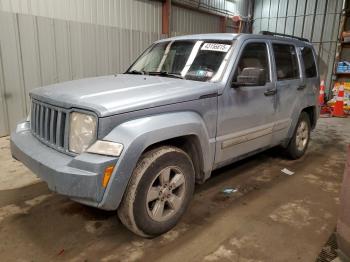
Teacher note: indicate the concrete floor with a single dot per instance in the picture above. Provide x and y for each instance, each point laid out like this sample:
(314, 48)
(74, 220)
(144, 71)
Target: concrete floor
(272, 217)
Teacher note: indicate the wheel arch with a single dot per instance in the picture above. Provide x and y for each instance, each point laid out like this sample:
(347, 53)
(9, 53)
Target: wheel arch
(312, 113)
(186, 130)
(192, 146)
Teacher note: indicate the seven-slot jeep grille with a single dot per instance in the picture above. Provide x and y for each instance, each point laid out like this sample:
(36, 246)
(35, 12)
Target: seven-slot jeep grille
(50, 124)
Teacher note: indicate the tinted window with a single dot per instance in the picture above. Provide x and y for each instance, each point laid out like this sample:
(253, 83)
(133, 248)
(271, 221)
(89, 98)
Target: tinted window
(254, 55)
(286, 61)
(309, 62)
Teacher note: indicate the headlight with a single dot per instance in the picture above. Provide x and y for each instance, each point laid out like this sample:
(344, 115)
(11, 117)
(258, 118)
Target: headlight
(106, 148)
(82, 132)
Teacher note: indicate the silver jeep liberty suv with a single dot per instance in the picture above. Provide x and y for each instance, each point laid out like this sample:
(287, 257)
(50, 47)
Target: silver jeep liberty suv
(138, 142)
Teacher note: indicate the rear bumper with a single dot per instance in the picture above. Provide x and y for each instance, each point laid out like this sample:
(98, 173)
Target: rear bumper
(79, 178)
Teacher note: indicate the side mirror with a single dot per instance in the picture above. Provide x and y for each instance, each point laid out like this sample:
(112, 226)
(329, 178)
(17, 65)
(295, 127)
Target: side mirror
(251, 76)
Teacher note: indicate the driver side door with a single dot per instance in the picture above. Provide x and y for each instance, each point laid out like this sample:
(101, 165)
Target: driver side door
(246, 113)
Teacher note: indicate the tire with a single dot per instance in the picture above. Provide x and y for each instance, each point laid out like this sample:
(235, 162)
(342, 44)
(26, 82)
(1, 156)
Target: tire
(141, 208)
(301, 137)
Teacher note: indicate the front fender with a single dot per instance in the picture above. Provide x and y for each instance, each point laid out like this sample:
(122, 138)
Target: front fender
(138, 134)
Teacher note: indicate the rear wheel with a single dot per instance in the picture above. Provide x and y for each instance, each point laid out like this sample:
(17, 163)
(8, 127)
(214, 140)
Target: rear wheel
(159, 191)
(301, 137)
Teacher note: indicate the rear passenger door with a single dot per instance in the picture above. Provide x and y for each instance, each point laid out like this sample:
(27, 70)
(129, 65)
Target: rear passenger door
(289, 84)
(310, 76)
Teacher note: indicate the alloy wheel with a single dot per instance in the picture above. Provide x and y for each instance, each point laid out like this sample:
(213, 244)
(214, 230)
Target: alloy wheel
(166, 194)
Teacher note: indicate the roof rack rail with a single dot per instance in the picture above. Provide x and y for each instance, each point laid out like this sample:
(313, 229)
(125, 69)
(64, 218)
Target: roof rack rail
(283, 35)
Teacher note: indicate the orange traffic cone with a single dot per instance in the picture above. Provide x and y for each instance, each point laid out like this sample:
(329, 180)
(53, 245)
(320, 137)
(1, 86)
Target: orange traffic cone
(321, 97)
(339, 104)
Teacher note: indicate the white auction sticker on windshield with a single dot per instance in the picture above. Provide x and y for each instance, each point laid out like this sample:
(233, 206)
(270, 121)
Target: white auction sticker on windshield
(216, 47)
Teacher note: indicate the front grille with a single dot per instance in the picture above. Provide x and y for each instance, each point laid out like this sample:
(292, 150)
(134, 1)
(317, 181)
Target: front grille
(49, 124)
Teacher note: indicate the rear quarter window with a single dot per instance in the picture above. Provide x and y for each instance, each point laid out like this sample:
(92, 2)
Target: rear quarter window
(309, 62)
(286, 60)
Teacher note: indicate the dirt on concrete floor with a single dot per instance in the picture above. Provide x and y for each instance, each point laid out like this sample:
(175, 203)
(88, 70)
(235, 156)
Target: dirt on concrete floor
(272, 216)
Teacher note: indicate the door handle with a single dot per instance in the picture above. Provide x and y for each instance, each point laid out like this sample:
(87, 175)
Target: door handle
(270, 92)
(301, 87)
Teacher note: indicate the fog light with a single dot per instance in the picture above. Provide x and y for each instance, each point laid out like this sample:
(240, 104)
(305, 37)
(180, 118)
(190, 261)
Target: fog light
(107, 175)
(106, 148)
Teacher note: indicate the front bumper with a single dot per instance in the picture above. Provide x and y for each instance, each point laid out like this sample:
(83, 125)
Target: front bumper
(79, 178)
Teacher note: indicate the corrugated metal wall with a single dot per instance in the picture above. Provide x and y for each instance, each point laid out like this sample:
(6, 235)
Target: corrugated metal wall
(142, 15)
(37, 51)
(317, 20)
(185, 21)
(48, 41)
(220, 7)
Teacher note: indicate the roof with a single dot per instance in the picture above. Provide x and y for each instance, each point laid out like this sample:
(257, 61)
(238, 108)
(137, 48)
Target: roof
(216, 36)
(229, 37)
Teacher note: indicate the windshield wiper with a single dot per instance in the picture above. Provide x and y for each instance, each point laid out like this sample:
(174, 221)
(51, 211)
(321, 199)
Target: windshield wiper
(136, 72)
(165, 73)
(155, 73)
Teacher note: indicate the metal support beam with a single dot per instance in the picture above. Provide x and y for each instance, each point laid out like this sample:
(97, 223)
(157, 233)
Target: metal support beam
(223, 24)
(166, 18)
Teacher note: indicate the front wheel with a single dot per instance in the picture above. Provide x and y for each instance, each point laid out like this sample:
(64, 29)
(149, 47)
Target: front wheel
(301, 137)
(159, 191)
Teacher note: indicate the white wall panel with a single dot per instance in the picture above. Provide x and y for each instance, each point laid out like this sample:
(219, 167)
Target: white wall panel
(185, 21)
(29, 48)
(218, 7)
(12, 69)
(281, 16)
(62, 46)
(4, 128)
(47, 51)
(132, 14)
(36, 51)
(76, 59)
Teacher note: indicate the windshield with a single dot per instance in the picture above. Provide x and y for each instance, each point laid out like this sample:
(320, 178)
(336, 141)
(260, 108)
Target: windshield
(194, 60)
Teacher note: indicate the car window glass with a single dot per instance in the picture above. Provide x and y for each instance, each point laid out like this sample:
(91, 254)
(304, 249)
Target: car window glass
(286, 61)
(207, 61)
(197, 60)
(254, 55)
(309, 62)
(177, 56)
(152, 60)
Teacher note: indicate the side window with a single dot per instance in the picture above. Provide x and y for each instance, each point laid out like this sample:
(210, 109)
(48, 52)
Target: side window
(286, 61)
(254, 55)
(309, 62)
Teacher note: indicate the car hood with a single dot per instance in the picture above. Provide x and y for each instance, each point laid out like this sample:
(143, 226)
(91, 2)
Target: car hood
(114, 94)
